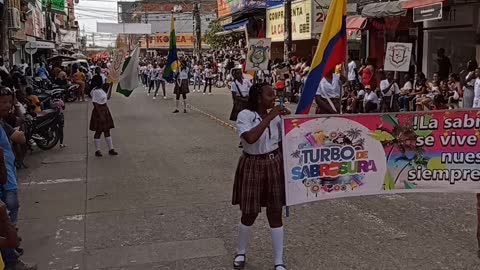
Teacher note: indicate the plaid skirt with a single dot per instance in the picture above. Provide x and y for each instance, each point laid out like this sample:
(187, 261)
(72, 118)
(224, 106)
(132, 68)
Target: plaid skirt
(259, 182)
(238, 106)
(101, 119)
(182, 89)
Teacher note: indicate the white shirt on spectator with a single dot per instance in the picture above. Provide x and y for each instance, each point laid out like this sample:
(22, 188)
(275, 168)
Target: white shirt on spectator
(361, 93)
(476, 99)
(270, 139)
(242, 89)
(330, 90)
(407, 86)
(393, 90)
(351, 71)
(371, 97)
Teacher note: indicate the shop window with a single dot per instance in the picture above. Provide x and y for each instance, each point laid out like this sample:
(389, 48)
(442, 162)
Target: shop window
(459, 45)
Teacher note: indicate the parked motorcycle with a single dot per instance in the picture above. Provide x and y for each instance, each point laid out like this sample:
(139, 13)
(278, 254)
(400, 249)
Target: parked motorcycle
(43, 128)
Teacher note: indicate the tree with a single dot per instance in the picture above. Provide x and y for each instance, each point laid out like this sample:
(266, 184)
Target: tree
(214, 41)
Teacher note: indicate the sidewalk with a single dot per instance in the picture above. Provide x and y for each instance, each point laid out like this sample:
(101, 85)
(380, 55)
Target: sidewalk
(53, 198)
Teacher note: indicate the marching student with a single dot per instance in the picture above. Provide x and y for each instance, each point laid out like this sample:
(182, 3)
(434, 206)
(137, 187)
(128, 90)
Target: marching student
(152, 78)
(181, 87)
(259, 179)
(101, 120)
(160, 81)
(240, 88)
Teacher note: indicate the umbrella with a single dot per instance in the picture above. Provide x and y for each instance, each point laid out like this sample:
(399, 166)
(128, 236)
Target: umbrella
(79, 56)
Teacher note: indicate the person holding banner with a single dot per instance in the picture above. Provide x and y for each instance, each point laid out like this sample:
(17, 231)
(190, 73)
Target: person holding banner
(328, 93)
(259, 178)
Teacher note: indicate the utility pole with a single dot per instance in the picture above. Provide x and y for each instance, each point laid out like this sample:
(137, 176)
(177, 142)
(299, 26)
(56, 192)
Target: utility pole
(4, 30)
(147, 37)
(198, 30)
(287, 48)
(48, 21)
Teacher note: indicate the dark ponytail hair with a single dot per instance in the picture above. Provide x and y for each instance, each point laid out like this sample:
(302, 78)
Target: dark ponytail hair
(254, 94)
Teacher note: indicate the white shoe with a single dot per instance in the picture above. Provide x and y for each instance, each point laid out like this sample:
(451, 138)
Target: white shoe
(165, 97)
(193, 91)
(210, 94)
(204, 94)
(154, 98)
(148, 94)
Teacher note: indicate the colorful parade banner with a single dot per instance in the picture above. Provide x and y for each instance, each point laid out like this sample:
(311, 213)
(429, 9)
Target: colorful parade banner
(330, 157)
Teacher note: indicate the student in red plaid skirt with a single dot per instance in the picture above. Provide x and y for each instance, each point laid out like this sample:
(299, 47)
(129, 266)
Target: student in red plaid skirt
(259, 179)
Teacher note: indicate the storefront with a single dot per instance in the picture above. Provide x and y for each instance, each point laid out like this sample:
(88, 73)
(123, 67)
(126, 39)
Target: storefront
(388, 22)
(308, 17)
(159, 43)
(457, 32)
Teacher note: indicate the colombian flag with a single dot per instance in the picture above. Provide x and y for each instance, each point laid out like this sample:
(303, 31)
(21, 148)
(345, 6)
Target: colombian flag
(331, 50)
(172, 58)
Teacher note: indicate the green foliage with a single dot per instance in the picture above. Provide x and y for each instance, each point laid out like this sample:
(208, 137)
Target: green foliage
(214, 41)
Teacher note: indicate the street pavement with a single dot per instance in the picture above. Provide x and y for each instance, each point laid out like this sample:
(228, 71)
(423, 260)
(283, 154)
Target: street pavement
(164, 203)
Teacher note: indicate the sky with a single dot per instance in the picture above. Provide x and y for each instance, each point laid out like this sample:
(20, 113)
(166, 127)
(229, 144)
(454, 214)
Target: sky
(89, 12)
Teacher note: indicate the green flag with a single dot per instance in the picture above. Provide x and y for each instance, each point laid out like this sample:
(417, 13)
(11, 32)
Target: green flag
(129, 78)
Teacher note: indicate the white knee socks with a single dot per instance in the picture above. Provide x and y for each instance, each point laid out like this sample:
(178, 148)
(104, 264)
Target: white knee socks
(98, 143)
(243, 235)
(109, 142)
(277, 242)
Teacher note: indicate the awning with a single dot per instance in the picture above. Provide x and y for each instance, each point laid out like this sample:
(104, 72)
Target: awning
(235, 25)
(223, 33)
(383, 10)
(418, 3)
(354, 25)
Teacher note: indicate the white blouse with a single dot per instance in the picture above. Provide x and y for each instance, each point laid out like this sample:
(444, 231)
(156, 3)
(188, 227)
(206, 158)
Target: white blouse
(330, 90)
(99, 96)
(270, 139)
(242, 89)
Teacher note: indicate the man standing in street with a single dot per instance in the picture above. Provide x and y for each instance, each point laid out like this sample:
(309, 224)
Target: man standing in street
(9, 194)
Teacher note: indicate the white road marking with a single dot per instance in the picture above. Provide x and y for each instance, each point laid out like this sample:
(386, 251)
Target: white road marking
(55, 181)
(371, 218)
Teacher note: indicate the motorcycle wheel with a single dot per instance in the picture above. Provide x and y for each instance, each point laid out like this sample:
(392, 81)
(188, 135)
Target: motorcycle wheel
(220, 84)
(70, 98)
(49, 141)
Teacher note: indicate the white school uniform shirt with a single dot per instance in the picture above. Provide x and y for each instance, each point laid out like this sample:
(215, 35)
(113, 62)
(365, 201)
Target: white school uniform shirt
(242, 89)
(393, 90)
(183, 74)
(372, 97)
(270, 139)
(330, 90)
(476, 99)
(99, 96)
